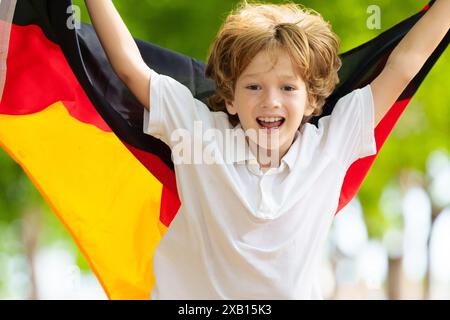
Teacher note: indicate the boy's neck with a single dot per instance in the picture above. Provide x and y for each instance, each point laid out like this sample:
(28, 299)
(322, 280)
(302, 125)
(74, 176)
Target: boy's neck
(266, 158)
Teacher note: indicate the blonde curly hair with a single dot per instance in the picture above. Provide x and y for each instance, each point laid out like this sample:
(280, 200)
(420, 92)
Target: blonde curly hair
(307, 38)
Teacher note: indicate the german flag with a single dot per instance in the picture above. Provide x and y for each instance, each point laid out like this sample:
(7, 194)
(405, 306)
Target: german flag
(76, 130)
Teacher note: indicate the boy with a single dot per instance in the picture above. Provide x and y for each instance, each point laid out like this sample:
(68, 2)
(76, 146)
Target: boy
(252, 223)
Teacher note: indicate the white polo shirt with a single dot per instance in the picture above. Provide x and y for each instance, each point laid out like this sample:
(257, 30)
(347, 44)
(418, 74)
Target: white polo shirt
(241, 233)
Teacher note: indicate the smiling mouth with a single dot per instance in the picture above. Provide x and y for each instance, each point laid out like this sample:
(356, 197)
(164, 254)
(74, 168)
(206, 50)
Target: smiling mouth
(270, 126)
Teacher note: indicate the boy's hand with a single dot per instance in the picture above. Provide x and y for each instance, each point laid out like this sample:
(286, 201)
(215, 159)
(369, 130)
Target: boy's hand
(409, 56)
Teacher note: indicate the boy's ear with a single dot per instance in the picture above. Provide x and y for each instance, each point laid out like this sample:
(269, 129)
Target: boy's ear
(309, 109)
(230, 107)
(310, 105)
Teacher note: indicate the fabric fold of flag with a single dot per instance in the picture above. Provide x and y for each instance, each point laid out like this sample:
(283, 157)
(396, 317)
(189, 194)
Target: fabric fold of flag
(76, 130)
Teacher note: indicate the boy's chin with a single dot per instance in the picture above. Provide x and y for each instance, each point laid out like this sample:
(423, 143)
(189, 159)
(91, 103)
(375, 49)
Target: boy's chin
(265, 146)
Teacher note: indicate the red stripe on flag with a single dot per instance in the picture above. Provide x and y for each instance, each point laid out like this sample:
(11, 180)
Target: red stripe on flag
(358, 170)
(170, 202)
(39, 75)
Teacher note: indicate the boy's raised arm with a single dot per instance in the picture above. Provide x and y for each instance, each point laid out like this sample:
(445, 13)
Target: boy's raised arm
(409, 56)
(120, 48)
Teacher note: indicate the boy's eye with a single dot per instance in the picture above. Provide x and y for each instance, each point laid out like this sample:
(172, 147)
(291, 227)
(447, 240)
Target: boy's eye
(253, 87)
(256, 87)
(289, 88)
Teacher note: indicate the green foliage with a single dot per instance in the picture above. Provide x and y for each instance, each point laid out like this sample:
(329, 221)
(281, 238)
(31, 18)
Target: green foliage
(12, 182)
(190, 26)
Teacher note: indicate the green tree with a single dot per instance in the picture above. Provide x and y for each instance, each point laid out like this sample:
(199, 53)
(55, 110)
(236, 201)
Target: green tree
(189, 27)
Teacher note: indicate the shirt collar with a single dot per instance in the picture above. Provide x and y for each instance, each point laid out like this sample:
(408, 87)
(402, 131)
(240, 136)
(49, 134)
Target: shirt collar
(244, 154)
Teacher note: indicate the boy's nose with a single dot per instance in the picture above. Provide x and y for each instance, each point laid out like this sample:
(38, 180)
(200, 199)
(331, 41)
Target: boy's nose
(271, 100)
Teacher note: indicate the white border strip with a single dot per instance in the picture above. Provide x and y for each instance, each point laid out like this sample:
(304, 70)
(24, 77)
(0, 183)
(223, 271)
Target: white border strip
(7, 8)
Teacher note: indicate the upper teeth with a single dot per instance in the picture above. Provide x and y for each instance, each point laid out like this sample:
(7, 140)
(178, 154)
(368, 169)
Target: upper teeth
(270, 119)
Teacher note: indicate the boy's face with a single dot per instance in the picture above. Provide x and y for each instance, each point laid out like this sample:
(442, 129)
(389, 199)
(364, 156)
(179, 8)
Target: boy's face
(265, 90)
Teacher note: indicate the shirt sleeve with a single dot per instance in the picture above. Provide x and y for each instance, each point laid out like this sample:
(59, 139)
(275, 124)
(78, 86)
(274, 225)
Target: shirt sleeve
(349, 130)
(172, 108)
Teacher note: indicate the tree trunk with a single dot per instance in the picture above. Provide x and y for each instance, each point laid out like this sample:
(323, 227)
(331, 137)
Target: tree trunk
(30, 234)
(394, 278)
(427, 281)
(435, 211)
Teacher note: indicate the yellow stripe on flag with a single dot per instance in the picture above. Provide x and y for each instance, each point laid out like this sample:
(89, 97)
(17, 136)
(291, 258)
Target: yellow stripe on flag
(107, 200)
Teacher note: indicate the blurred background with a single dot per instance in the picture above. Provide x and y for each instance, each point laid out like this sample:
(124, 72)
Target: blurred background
(391, 242)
